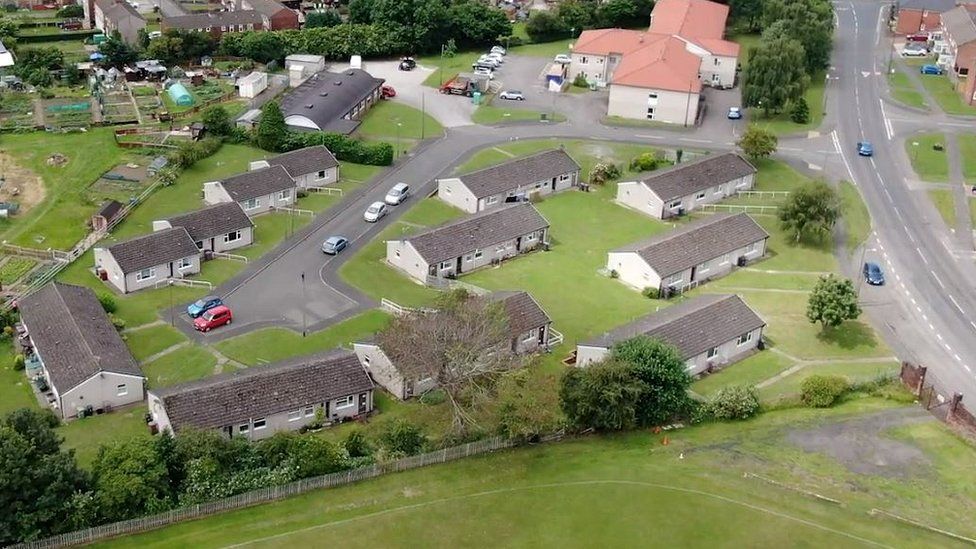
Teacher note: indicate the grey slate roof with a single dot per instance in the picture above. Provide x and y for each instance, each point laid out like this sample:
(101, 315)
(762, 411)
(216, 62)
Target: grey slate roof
(519, 172)
(304, 161)
(524, 313)
(266, 7)
(693, 326)
(257, 183)
(929, 5)
(115, 9)
(330, 101)
(697, 242)
(213, 19)
(261, 391)
(153, 249)
(959, 22)
(477, 231)
(216, 220)
(109, 209)
(691, 177)
(73, 335)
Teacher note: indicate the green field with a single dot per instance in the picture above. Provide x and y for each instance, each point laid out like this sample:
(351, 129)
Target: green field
(857, 219)
(382, 121)
(945, 94)
(488, 115)
(904, 91)
(928, 163)
(967, 150)
(946, 205)
(631, 490)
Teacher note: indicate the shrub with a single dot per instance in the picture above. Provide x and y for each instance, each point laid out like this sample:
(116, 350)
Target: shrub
(19, 362)
(536, 198)
(822, 391)
(736, 402)
(651, 293)
(614, 273)
(800, 113)
(603, 172)
(345, 148)
(117, 322)
(644, 162)
(580, 81)
(357, 446)
(403, 438)
(108, 303)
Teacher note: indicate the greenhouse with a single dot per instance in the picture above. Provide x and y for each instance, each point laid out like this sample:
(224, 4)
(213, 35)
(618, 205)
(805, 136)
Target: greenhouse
(179, 94)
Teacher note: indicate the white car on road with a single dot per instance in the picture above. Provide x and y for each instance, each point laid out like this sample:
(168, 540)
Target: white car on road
(914, 52)
(397, 194)
(512, 95)
(563, 59)
(375, 212)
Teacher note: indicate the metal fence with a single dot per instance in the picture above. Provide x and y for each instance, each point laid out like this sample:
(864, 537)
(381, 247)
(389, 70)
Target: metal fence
(265, 495)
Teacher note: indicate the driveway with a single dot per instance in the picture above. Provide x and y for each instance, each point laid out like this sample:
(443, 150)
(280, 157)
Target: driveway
(716, 122)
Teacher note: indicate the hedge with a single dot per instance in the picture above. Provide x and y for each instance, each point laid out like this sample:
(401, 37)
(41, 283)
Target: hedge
(344, 148)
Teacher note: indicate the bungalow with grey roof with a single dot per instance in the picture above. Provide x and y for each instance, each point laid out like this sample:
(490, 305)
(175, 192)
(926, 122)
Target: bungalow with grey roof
(218, 228)
(72, 343)
(688, 186)
(710, 331)
(257, 191)
(258, 402)
(310, 167)
(701, 250)
(542, 173)
(461, 246)
(145, 261)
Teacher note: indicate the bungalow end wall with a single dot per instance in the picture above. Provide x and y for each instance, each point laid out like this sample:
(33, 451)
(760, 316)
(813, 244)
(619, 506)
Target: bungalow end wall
(453, 191)
(634, 194)
(633, 270)
(103, 390)
(384, 374)
(105, 261)
(158, 412)
(402, 255)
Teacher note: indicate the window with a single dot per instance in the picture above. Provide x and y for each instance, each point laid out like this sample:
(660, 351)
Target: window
(121, 390)
(199, 244)
(529, 337)
(674, 204)
(185, 264)
(468, 258)
(491, 200)
(530, 237)
(752, 247)
(366, 359)
(260, 424)
(243, 428)
(725, 259)
(744, 338)
(320, 175)
(652, 96)
(500, 249)
(309, 411)
(232, 237)
(445, 265)
(223, 28)
(345, 402)
(564, 177)
(715, 60)
(650, 113)
(251, 204)
(146, 274)
(700, 195)
(447, 191)
(284, 195)
(295, 415)
(712, 353)
(478, 254)
(703, 267)
(208, 29)
(583, 60)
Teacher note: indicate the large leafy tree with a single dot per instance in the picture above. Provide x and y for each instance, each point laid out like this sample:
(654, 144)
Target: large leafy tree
(477, 24)
(272, 131)
(131, 480)
(217, 120)
(577, 14)
(361, 11)
(544, 26)
(810, 211)
(832, 301)
(662, 372)
(326, 18)
(603, 396)
(758, 142)
(810, 22)
(775, 75)
(412, 25)
(117, 52)
(37, 479)
(263, 47)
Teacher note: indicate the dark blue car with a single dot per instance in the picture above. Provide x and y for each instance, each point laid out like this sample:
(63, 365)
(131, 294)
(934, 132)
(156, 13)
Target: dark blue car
(864, 148)
(930, 69)
(203, 305)
(873, 274)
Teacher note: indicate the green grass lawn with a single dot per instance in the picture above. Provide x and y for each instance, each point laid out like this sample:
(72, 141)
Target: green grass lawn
(746, 42)
(967, 150)
(15, 391)
(273, 344)
(857, 219)
(787, 255)
(149, 341)
(84, 436)
(381, 122)
(790, 385)
(60, 220)
(697, 486)
(972, 209)
(490, 114)
(945, 94)
(446, 67)
(946, 204)
(751, 371)
(904, 91)
(928, 163)
(184, 364)
(781, 123)
(543, 49)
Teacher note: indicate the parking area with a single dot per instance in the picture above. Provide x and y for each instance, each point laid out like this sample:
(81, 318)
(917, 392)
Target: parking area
(527, 75)
(717, 103)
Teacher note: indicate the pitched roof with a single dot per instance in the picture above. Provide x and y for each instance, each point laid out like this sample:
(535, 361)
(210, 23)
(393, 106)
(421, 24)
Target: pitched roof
(254, 184)
(213, 19)
(240, 395)
(477, 231)
(690, 177)
(522, 310)
(73, 335)
(959, 23)
(216, 220)
(606, 41)
(929, 5)
(153, 249)
(116, 9)
(689, 18)
(697, 242)
(266, 7)
(663, 63)
(303, 161)
(109, 209)
(693, 326)
(519, 172)
(324, 102)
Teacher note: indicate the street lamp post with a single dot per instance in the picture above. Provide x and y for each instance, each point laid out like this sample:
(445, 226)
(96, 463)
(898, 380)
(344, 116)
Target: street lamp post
(172, 306)
(397, 155)
(914, 151)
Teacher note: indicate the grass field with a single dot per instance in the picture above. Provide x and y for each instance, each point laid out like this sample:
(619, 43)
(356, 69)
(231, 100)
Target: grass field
(381, 122)
(904, 91)
(15, 392)
(853, 372)
(945, 94)
(967, 150)
(490, 114)
(626, 490)
(946, 205)
(857, 219)
(928, 163)
(184, 364)
(149, 341)
(85, 436)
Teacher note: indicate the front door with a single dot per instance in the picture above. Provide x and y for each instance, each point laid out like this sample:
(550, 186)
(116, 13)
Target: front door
(553, 183)
(362, 403)
(518, 244)
(229, 430)
(457, 268)
(693, 272)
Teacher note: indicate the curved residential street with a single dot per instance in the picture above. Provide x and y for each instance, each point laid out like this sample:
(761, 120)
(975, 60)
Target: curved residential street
(926, 312)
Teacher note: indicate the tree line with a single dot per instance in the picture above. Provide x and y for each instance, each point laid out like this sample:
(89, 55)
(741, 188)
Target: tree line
(572, 17)
(795, 44)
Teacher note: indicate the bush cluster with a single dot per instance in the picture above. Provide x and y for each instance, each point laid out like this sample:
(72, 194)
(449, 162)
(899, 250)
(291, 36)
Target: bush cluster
(821, 391)
(735, 402)
(345, 148)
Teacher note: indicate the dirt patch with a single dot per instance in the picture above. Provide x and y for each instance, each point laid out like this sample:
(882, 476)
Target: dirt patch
(860, 446)
(20, 185)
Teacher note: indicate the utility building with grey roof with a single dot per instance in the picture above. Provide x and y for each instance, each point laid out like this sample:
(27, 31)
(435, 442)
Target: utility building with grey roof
(145, 261)
(689, 255)
(74, 345)
(688, 186)
(475, 241)
(542, 173)
(257, 402)
(331, 101)
(709, 331)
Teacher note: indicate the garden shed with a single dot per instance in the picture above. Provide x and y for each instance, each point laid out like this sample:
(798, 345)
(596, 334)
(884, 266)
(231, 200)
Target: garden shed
(180, 95)
(252, 84)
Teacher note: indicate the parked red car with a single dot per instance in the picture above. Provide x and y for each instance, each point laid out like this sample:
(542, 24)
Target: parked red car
(917, 38)
(214, 318)
(387, 92)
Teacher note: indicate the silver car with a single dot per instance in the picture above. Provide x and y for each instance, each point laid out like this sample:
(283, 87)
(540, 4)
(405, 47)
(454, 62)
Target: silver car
(375, 212)
(397, 194)
(512, 95)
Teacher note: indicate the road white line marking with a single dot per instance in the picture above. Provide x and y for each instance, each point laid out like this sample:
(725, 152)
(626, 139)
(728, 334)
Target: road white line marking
(694, 140)
(938, 336)
(931, 327)
(955, 356)
(919, 250)
(916, 304)
(966, 366)
(937, 279)
(648, 136)
(898, 277)
(956, 303)
(884, 115)
(843, 156)
(917, 308)
(926, 319)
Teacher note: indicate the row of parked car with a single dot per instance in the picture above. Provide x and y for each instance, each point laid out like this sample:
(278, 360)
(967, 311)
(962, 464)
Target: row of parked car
(487, 64)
